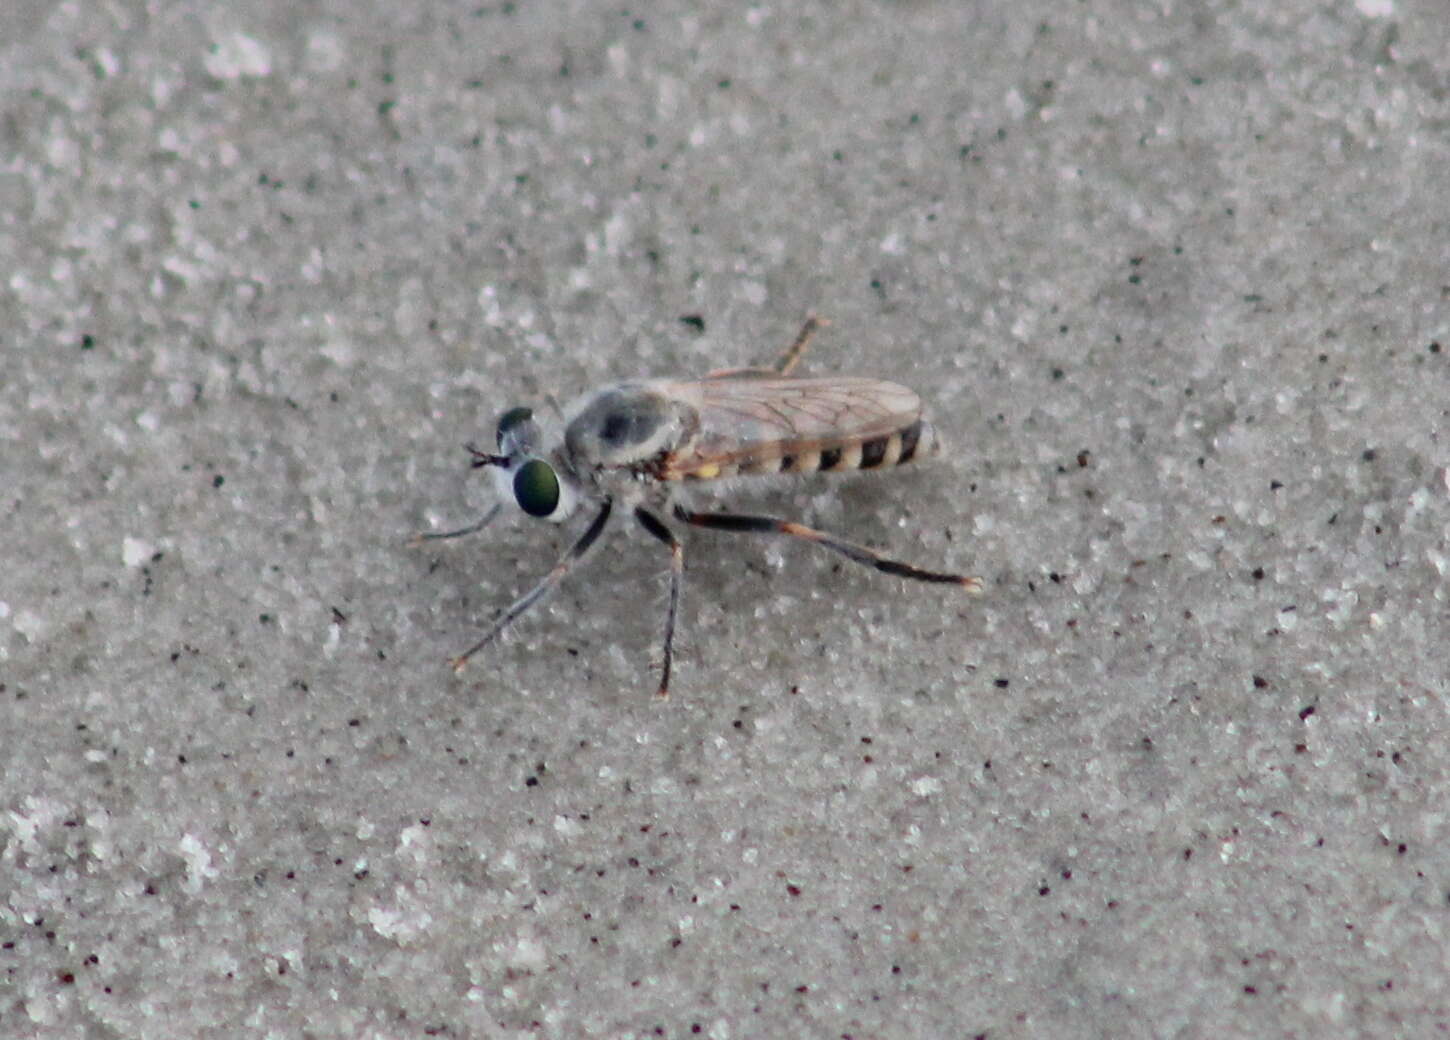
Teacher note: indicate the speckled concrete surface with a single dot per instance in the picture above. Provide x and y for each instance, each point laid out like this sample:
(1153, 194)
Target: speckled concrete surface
(1173, 278)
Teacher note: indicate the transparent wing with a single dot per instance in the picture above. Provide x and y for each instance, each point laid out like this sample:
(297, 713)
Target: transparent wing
(756, 411)
(752, 419)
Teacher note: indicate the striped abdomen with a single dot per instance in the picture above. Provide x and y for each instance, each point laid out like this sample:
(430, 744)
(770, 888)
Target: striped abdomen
(916, 440)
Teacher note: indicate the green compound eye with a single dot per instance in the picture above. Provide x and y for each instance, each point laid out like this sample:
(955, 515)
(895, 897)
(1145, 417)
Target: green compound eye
(537, 488)
(512, 422)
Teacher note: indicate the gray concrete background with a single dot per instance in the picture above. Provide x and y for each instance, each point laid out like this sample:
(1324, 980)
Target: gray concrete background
(1174, 278)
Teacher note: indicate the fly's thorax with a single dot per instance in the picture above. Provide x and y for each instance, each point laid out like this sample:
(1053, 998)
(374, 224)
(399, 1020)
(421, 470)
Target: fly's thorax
(629, 425)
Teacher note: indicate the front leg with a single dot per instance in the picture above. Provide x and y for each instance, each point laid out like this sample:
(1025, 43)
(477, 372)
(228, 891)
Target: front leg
(544, 587)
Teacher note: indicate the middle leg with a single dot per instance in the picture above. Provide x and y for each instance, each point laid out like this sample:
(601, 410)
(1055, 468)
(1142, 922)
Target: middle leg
(655, 526)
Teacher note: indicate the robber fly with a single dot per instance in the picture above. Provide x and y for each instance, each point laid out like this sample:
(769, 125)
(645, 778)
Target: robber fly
(632, 444)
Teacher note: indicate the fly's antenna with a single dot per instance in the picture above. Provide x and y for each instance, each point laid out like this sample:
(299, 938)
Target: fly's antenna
(483, 458)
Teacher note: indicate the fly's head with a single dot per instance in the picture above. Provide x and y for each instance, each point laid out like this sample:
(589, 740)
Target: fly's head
(521, 471)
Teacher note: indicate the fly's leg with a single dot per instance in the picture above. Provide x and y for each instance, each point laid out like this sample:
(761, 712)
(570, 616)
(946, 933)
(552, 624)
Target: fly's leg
(787, 361)
(859, 553)
(543, 588)
(655, 526)
(431, 536)
(793, 353)
(480, 460)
